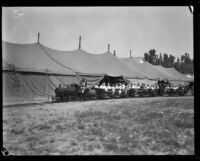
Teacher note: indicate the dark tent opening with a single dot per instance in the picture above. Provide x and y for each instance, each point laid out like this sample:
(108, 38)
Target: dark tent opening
(113, 80)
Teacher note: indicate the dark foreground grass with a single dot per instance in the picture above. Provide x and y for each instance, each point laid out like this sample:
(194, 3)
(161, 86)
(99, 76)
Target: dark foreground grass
(154, 126)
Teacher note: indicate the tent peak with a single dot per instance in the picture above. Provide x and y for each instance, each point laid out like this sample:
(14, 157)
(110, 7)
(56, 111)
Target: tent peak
(79, 47)
(108, 47)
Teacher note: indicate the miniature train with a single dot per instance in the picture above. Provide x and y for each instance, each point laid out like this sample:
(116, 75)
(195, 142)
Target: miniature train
(78, 92)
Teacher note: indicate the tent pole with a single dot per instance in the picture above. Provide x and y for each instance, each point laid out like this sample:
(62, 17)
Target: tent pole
(38, 37)
(45, 84)
(76, 78)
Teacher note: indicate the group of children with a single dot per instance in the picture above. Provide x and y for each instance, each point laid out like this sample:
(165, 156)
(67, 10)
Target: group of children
(124, 87)
(136, 86)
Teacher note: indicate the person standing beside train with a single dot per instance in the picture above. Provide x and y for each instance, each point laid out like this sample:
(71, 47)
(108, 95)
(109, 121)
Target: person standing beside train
(83, 84)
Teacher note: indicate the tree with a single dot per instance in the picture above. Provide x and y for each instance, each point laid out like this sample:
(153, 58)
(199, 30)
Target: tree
(165, 60)
(183, 64)
(187, 58)
(171, 60)
(177, 64)
(146, 57)
(153, 56)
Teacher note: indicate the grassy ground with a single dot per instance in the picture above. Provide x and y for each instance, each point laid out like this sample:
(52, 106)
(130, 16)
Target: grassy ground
(137, 126)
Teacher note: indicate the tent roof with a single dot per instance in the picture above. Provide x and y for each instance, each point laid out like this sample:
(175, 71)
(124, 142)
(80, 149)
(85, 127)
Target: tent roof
(31, 58)
(155, 72)
(85, 62)
(39, 58)
(179, 75)
(173, 72)
(146, 68)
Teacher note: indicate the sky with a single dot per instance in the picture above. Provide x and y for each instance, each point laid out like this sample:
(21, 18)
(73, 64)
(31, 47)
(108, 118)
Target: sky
(139, 29)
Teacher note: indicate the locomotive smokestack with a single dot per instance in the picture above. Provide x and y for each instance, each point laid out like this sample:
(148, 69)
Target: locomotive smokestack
(79, 42)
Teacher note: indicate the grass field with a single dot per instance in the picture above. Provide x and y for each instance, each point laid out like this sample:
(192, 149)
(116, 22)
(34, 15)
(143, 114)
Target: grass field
(137, 126)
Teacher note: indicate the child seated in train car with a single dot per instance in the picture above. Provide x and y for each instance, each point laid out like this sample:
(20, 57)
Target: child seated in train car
(113, 88)
(133, 86)
(142, 86)
(116, 86)
(153, 87)
(126, 89)
(157, 86)
(109, 90)
(123, 86)
(101, 86)
(129, 86)
(119, 88)
(174, 88)
(146, 86)
(139, 86)
(106, 88)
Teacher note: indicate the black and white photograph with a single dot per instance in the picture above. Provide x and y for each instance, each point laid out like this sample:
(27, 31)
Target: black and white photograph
(97, 80)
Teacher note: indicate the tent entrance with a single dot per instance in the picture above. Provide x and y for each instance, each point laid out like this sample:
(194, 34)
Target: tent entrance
(113, 80)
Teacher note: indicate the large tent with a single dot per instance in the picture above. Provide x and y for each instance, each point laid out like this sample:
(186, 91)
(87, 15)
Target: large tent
(34, 70)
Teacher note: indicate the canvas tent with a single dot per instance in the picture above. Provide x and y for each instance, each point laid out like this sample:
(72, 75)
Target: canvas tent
(34, 70)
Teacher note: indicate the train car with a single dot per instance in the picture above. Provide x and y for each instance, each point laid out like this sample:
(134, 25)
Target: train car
(109, 94)
(141, 92)
(170, 92)
(151, 92)
(89, 94)
(100, 93)
(117, 93)
(131, 92)
(124, 94)
(181, 91)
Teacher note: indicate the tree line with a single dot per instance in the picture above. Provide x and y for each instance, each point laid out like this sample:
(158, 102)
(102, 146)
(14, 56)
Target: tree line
(184, 64)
